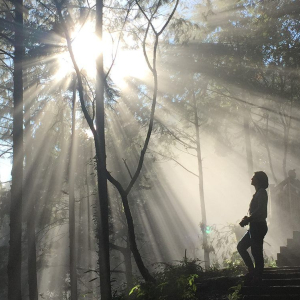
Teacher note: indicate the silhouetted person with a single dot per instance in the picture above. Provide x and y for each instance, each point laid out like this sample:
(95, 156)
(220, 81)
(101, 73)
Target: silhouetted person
(258, 228)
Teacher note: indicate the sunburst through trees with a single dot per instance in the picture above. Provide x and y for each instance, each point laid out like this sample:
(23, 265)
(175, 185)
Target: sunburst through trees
(129, 131)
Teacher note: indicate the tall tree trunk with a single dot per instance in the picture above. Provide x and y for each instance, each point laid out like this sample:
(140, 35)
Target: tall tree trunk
(128, 266)
(15, 243)
(88, 209)
(265, 140)
(30, 200)
(104, 261)
(72, 234)
(99, 139)
(286, 131)
(248, 146)
(201, 187)
(126, 252)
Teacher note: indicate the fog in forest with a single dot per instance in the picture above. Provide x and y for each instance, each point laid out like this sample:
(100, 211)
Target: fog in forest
(129, 136)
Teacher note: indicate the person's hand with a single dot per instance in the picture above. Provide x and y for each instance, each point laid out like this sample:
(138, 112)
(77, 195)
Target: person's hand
(244, 222)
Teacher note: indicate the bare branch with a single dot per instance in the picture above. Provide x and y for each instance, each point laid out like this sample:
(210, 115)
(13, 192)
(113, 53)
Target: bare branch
(169, 19)
(177, 162)
(6, 53)
(6, 151)
(118, 43)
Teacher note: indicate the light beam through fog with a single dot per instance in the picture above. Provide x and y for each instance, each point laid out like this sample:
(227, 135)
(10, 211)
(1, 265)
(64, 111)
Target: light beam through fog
(209, 98)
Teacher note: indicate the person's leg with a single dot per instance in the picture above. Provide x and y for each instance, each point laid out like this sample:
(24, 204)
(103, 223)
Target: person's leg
(242, 247)
(257, 252)
(257, 234)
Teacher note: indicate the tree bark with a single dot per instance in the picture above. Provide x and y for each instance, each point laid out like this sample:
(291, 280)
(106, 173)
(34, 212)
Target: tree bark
(128, 266)
(15, 243)
(248, 146)
(201, 187)
(72, 233)
(104, 260)
(30, 200)
(133, 246)
(286, 132)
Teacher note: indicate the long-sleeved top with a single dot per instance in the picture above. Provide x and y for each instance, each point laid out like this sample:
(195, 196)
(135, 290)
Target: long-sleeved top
(258, 209)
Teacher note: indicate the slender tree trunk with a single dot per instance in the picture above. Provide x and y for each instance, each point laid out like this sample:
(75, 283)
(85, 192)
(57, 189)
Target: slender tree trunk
(133, 246)
(128, 266)
(72, 234)
(270, 162)
(131, 241)
(30, 200)
(15, 243)
(266, 141)
(246, 117)
(126, 252)
(88, 203)
(285, 149)
(104, 261)
(99, 139)
(201, 187)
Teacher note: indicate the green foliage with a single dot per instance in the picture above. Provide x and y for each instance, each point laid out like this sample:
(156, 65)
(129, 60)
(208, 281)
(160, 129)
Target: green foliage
(270, 262)
(181, 287)
(172, 282)
(236, 293)
(184, 280)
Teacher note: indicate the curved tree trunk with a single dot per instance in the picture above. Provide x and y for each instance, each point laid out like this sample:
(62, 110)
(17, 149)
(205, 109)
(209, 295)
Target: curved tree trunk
(133, 246)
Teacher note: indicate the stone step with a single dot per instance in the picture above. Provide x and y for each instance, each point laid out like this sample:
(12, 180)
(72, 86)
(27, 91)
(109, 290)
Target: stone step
(287, 260)
(271, 290)
(282, 269)
(296, 236)
(271, 297)
(281, 275)
(280, 282)
(287, 252)
(293, 244)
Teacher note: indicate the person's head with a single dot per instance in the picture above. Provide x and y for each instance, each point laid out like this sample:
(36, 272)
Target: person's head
(260, 180)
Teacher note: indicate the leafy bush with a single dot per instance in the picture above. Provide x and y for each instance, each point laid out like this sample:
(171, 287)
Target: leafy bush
(172, 282)
(184, 281)
(235, 295)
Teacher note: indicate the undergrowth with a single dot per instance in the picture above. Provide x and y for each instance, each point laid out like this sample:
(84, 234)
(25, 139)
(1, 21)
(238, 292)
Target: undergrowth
(181, 281)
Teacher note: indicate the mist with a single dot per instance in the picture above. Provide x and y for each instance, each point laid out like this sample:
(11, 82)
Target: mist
(130, 135)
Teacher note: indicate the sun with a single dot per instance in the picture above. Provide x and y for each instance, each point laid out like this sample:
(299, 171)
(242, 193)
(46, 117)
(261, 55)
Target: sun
(86, 47)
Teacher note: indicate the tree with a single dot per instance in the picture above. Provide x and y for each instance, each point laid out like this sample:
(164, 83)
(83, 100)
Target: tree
(71, 177)
(100, 142)
(30, 200)
(15, 251)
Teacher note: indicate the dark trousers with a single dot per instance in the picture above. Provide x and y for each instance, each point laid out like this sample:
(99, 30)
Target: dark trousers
(253, 238)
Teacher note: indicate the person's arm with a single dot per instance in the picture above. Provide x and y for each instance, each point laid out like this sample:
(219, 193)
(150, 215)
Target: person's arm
(244, 221)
